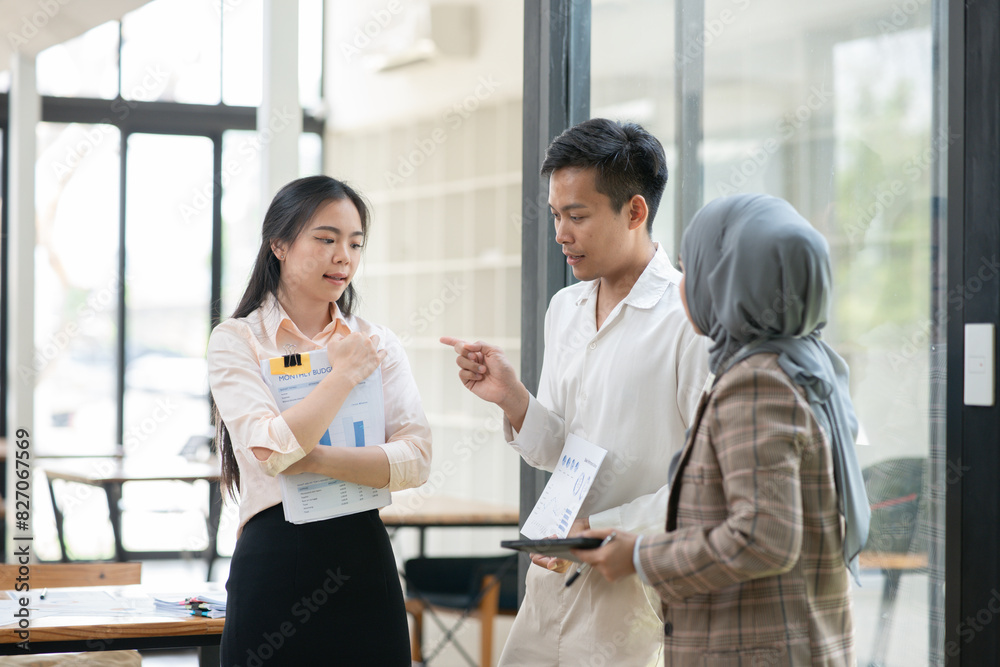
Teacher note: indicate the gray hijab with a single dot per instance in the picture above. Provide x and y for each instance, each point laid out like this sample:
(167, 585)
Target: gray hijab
(757, 279)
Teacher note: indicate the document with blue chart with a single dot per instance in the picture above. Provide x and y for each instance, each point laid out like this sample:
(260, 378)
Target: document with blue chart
(360, 422)
(566, 490)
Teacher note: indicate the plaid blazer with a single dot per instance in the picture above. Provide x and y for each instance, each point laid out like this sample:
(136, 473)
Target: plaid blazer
(751, 571)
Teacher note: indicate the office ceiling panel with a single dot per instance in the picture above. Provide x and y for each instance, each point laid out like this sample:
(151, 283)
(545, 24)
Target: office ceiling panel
(31, 26)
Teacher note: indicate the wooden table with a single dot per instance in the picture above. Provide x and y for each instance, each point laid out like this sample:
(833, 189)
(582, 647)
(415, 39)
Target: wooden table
(414, 510)
(61, 634)
(111, 473)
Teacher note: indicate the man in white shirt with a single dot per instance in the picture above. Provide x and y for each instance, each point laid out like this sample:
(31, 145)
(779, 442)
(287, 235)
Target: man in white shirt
(622, 369)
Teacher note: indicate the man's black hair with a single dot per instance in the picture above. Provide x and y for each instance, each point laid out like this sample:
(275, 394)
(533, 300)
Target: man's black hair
(626, 159)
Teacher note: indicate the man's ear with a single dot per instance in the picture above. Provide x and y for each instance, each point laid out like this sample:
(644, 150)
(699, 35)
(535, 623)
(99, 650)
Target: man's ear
(638, 212)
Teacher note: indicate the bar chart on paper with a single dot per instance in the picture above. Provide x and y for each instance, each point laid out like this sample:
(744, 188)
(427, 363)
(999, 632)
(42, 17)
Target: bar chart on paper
(360, 422)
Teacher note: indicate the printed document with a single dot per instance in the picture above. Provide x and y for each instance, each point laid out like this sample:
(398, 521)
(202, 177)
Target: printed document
(566, 490)
(361, 421)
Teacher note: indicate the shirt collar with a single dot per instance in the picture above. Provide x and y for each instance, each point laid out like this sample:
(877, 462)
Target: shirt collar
(273, 318)
(650, 286)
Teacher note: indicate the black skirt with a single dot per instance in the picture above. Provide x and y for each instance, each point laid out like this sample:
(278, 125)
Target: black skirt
(322, 593)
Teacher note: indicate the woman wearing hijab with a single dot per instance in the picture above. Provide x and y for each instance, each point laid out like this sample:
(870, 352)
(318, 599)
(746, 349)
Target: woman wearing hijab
(767, 508)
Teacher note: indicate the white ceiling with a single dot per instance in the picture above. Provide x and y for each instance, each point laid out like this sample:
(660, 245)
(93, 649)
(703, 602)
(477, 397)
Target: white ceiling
(31, 26)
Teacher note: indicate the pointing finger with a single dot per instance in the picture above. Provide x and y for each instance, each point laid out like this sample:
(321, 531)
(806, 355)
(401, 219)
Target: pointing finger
(460, 346)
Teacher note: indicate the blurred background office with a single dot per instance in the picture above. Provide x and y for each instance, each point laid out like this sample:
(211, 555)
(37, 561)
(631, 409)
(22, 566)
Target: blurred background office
(166, 126)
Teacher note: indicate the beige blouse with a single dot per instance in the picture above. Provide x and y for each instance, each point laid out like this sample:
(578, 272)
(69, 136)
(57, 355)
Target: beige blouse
(235, 350)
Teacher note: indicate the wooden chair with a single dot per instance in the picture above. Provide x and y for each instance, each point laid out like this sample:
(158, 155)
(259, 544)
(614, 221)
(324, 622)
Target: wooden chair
(481, 587)
(56, 575)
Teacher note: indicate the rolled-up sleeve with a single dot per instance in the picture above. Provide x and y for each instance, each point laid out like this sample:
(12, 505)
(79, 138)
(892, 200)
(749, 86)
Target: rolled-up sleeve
(407, 432)
(543, 429)
(541, 438)
(245, 403)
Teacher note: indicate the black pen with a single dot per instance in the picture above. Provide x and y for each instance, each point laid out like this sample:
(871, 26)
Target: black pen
(580, 569)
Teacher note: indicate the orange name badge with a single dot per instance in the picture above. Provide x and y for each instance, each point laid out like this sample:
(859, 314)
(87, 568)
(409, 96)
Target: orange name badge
(278, 366)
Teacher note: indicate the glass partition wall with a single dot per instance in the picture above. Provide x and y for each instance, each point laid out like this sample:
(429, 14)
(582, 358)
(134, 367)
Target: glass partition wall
(833, 107)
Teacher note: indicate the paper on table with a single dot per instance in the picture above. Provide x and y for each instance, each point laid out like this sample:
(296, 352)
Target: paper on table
(361, 421)
(71, 602)
(566, 490)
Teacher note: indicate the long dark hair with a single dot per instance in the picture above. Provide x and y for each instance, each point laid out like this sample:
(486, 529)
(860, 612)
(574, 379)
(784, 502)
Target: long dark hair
(290, 210)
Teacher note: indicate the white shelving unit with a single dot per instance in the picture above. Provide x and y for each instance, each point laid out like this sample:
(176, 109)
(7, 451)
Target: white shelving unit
(444, 258)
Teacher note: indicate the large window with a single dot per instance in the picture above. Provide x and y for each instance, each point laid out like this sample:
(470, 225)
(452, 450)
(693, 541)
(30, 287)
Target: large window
(168, 246)
(142, 232)
(86, 66)
(170, 51)
(76, 269)
(832, 108)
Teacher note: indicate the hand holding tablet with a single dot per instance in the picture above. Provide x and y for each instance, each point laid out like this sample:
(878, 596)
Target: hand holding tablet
(556, 547)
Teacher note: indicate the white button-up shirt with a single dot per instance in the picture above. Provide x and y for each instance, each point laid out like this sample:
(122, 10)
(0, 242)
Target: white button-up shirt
(235, 350)
(632, 388)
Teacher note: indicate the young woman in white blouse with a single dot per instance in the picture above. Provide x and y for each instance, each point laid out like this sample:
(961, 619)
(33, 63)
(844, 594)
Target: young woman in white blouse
(325, 592)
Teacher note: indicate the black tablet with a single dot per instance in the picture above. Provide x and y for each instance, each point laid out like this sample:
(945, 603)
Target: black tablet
(558, 547)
